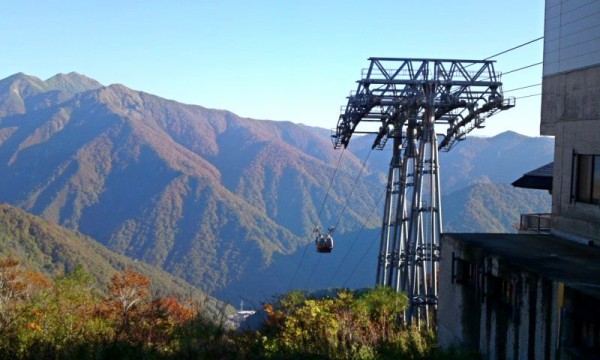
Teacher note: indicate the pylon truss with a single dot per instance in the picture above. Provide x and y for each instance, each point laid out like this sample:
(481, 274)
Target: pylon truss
(463, 93)
(411, 99)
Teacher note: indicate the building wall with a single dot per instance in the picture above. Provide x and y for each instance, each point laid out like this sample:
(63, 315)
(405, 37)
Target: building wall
(571, 35)
(506, 313)
(571, 108)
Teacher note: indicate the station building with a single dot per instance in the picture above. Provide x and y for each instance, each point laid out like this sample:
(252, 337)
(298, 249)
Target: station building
(536, 294)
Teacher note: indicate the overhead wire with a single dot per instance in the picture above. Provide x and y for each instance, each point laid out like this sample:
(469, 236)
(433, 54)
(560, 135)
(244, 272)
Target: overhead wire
(509, 50)
(513, 48)
(357, 236)
(343, 209)
(361, 259)
(528, 96)
(522, 87)
(522, 68)
(353, 187)
(337, 166)
(515, 70)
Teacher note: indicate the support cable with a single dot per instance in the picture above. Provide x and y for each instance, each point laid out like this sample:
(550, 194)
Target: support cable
(362, 258)
(527, 96)
(513, 48)
(356, 238)
(337, 166)
(515, 70)
(343, 210)
(523, 68)
(522, 87)
(353, 188)
(313, 271)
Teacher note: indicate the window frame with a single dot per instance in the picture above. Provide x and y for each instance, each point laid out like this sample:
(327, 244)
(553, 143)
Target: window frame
(584, 189)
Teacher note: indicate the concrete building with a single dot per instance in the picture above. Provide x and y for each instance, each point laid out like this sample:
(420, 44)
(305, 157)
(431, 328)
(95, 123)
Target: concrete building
(537, 296)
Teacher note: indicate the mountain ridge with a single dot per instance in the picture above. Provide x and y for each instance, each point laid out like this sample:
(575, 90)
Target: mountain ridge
(130, 169)
(204, 194)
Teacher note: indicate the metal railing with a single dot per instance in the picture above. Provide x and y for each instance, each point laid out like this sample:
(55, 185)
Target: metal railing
(535, 223)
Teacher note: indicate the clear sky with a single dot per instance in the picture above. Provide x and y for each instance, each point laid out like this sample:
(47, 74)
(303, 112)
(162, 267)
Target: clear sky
(278, 60)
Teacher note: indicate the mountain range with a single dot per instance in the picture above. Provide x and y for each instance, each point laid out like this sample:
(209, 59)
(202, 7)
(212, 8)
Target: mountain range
(221, 201)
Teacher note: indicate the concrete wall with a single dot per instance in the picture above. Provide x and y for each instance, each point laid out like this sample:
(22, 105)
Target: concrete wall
(477, 318)
(571, 35)
(571, 112)
(571, 98)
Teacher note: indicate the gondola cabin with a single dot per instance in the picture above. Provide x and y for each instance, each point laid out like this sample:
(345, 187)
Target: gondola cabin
(324, 243)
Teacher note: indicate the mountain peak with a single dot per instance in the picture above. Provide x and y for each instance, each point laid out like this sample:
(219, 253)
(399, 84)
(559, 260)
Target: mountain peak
(72, 83)
(21, 79)
(509, 134)
(16, 89)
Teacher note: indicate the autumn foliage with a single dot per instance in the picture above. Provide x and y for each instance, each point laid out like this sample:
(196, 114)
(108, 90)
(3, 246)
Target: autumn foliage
(68, 318)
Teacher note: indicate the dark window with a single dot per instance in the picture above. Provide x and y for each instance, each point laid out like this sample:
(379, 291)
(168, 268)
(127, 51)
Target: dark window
(588, 179)
(501, 293)
(465, 273)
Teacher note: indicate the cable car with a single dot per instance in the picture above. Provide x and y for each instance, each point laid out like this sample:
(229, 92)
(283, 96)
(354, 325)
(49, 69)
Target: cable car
(324, 241)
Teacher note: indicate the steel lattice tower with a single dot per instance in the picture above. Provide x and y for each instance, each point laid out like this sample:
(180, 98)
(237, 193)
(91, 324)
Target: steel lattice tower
(410, 99)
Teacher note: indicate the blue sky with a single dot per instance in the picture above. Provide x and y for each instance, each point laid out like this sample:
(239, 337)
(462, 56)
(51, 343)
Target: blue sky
(277, 60)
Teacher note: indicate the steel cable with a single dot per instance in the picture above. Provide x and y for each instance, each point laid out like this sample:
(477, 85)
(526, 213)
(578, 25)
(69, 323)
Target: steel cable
(337, 166)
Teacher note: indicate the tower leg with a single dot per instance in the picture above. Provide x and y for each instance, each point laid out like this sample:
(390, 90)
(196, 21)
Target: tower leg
(388, 245)
(418, 269)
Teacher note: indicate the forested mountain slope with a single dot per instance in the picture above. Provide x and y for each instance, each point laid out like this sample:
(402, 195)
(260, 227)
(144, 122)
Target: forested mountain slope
(54, 250)
(214, 198)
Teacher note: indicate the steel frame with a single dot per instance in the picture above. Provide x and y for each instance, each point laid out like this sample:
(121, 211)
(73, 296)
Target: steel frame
(410, 98)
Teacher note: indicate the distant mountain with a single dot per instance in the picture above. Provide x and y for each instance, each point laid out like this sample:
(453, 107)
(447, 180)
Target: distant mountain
(201, 193)
(21, 93)
(225, 202)
(493, 208)
(54, 250)
(500, 159)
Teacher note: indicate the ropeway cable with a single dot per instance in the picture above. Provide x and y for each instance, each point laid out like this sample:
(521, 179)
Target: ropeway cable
(361, 259)
(356, 238)
(353, 187)
(318, 217)
(514, 48)
(521, 88)
(522, 68)
(343, 210)
(528, 96)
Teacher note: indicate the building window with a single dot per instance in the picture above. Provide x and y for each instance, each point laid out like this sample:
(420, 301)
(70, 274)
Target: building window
(502, 294)
(587, 180)
(465, 273)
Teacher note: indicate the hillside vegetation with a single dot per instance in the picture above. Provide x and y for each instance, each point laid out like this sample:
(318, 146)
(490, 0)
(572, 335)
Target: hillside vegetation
(490, 207)
(63, 317)
(56, 251)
